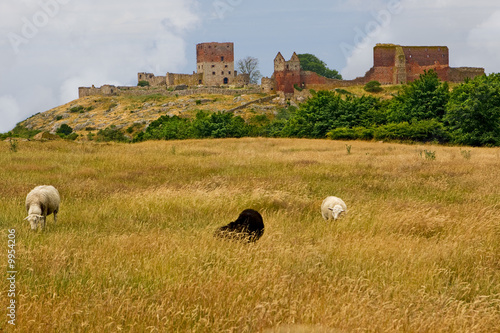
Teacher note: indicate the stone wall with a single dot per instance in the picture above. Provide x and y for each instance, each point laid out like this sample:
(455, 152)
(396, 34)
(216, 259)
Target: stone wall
(190, 80)
(109, 90)
(460, 74)
(154, 81)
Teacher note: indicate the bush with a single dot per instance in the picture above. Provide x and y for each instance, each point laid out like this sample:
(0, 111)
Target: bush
(111, 133)
(80, 109)
(373, 86)
(64, 130)
(143, 83)
(421, 131)
(167, 128)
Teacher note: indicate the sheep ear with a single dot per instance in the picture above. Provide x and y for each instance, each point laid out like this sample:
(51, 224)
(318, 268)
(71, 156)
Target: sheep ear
(26, 218)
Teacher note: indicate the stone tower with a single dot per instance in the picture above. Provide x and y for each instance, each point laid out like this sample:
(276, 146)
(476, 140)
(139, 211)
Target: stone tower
(287, 74)
(215, 61)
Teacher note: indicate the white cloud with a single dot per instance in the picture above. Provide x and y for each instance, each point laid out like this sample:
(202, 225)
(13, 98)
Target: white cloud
(63, 44)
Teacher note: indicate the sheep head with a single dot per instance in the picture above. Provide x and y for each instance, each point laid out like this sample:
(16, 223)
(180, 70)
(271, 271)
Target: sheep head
(34, 220)
(336, 211)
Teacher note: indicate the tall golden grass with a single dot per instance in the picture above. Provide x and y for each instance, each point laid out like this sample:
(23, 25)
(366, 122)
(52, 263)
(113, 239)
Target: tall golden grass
(133, 251)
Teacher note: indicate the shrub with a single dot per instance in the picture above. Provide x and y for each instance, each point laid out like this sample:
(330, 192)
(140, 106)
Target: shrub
(167, 128)
(64, 130)
(111, 133)
(422, 131)
(373, 86)
(143, 83)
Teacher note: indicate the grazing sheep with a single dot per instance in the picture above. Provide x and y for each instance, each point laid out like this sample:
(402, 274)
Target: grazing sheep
(248, 226)
(42, 201)
(332, 208)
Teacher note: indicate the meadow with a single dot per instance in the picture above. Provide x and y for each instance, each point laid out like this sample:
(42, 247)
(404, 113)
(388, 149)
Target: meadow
(133, 249)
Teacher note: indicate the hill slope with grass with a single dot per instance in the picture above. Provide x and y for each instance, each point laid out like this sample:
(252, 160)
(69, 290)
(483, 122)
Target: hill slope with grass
(133, 113)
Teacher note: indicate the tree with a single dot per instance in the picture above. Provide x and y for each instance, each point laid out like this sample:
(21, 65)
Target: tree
(250, 66)
(310, 62)
(473, 112)
(422, 99)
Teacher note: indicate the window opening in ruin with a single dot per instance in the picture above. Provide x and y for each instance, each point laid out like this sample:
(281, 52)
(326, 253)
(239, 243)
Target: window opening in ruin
(213, 73)
(226, 80)
(221, 58)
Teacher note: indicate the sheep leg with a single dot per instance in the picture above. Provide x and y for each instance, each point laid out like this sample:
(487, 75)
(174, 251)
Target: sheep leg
(55, 217)
(43, 222)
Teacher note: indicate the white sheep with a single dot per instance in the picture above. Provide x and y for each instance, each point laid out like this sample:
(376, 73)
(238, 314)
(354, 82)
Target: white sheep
(43, 200)
(333, 207)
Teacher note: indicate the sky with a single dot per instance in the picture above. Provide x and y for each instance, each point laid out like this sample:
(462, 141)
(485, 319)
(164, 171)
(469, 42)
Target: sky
(49, 48)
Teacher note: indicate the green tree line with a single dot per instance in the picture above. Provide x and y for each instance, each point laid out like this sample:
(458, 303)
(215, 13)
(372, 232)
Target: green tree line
(425, 110)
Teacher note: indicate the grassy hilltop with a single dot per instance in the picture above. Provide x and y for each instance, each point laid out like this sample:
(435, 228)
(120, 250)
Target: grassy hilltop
(90, 114)
(133, 251)
(132, 114)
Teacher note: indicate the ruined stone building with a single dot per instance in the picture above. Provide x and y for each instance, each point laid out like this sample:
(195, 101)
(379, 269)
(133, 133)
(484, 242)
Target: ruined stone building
(396, 64)
(392, 64)
(215, 67)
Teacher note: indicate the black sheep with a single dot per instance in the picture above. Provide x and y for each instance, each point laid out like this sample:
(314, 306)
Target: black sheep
(248, 226)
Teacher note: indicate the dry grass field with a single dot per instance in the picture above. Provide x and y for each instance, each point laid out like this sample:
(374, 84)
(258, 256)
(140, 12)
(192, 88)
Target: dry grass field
(133, 250)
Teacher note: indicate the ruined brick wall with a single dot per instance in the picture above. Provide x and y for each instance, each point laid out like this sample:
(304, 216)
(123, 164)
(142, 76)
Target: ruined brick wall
(287, 74)
(216, 62)
(427, 55)
(395, 64)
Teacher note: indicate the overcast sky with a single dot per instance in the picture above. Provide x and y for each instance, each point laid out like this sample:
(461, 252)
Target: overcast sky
(48, 48)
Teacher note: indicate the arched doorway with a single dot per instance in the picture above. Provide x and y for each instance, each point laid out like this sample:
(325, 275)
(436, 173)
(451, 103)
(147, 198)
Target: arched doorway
(226, 80)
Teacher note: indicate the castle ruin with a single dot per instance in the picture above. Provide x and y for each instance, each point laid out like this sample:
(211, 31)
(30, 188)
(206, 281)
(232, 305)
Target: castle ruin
(215, 68)
(392, 64)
